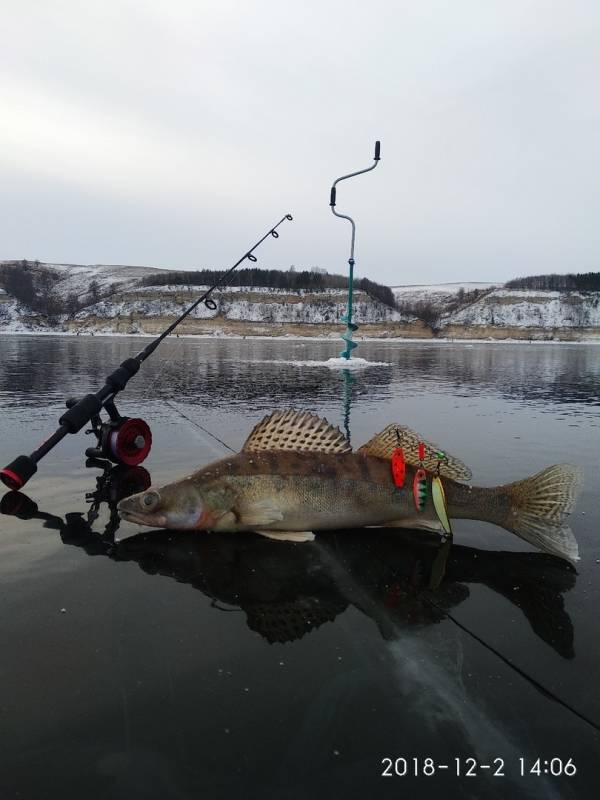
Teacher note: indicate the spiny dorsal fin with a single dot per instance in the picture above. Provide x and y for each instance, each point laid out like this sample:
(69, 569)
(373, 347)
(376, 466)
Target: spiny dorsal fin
(384, 444)
(296, 430)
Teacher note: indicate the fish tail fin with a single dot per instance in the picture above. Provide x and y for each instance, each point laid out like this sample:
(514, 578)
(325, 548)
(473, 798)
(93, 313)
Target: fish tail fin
(539, 505)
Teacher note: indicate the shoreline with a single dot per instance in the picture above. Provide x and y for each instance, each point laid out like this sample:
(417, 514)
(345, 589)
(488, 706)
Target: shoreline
(318, 338)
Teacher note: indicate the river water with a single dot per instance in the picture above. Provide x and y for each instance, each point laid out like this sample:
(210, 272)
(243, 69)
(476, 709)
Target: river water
(165, 665)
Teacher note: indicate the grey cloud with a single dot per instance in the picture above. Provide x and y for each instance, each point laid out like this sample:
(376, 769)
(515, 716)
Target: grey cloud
(174, 133)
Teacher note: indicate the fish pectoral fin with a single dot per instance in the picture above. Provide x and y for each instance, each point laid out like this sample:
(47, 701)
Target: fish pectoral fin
(263, 512)
(288, 536)
(226, 523)
(416, 524)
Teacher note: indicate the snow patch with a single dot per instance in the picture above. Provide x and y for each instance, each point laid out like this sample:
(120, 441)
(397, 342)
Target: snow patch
(354, 363)
(443, 288)
(332, 363)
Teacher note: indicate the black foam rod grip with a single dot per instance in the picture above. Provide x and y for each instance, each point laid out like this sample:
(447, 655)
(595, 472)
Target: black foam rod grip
(18, 472)
(80, 414)
(332, 196)
(377, 150)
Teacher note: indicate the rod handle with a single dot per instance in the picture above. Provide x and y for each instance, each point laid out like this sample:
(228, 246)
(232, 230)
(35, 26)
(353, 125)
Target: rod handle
(332, 197)
(377, 150)
(81, 413)
(18, 472)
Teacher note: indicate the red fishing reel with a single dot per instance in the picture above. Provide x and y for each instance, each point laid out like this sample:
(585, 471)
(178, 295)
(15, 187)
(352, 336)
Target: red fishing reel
(122, 440)
(128, 443)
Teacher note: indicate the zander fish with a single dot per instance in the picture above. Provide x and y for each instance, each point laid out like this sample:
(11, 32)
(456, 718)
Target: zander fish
(297, 474)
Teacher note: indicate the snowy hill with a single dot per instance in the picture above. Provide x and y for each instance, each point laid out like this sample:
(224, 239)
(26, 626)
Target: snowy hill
(512, 308)
(76, 278)
(116, 299)
(440, 293)
(121, 302)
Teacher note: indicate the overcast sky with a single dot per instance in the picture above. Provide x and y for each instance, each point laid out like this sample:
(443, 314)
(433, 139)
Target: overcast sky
(175, 133)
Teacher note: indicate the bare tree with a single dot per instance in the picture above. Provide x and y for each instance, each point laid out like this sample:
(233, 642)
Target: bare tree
(72, 304)
(94, 291)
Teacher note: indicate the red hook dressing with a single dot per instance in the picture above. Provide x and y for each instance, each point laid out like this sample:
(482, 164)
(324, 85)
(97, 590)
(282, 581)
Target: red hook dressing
(398, 467)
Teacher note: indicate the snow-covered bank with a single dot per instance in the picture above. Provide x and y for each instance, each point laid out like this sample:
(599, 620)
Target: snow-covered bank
(117, 300)
(332, 338)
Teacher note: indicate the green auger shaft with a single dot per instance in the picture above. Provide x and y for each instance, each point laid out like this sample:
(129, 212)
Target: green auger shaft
(351, 327)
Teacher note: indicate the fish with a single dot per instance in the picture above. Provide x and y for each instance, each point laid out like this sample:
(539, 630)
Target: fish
(296, 475)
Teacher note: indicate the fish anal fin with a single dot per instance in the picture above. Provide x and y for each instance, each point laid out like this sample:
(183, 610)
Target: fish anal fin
(288, 536)
(415, 524)
(296, 430)
(383, 445)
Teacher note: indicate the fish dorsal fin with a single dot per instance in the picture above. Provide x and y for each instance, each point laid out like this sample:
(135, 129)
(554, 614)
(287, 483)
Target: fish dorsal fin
(384, 444)
(296, 430)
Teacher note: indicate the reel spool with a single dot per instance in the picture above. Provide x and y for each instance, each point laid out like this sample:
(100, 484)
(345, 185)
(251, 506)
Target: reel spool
(122, 440)
(129, 443)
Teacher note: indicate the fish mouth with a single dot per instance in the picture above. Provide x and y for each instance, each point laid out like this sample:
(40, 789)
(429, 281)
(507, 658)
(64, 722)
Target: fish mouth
(141, 519)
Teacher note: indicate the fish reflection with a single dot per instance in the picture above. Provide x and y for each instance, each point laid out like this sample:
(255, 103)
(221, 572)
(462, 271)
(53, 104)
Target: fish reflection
(400, 580)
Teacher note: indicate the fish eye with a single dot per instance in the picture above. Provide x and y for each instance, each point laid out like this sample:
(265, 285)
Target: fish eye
(150, 500)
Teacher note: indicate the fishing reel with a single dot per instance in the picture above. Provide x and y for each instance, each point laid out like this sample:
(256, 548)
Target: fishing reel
(122, 440)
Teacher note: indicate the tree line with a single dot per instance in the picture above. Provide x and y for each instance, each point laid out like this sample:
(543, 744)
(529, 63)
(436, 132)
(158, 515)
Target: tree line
(273, 278)
(582, 282)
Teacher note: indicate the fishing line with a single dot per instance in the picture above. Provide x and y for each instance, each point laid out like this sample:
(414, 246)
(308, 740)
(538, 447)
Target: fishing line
(535, 683)
(172, 405)
(337, 564)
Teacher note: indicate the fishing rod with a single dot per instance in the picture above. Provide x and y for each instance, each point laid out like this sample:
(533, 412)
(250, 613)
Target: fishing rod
(122, 440)
(351, 327)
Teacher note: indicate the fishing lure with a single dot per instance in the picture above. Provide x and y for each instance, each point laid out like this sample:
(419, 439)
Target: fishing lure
(398, 467)
(398, 464)
(420, 481)
(438, 495)
(420, 489)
